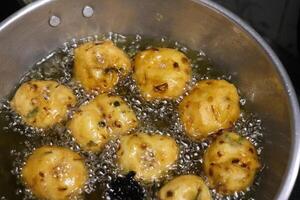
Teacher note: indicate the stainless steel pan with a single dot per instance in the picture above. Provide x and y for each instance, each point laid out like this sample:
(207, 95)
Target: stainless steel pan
(27, 36)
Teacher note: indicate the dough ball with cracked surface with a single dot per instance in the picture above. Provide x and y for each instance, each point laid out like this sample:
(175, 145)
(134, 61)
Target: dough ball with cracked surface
(43, 103)
(211, 106)
(55, 173)
(150, 156)
(99, 65)
(161, 73)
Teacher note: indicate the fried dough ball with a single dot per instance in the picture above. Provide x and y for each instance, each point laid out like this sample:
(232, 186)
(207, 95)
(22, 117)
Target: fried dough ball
(99, 65)
(100, 119)
(161, 73)
(211, 106)
(55, 173)
(150, 156)
(231, 163)
(43, 103)
(185, 187)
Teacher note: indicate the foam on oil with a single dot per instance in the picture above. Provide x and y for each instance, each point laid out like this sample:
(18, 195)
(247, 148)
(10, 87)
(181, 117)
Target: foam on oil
(160, 117)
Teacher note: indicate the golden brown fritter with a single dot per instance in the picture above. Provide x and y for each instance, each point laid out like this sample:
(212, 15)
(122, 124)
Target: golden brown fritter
(99, 120)
(150, 156)
(230, 163)
(185, 187)
(99, 65)
(211, 106)
(161, 73)
(55, 173)
(43, 103)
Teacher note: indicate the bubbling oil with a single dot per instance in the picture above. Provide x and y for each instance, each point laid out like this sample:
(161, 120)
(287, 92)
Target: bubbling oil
(157, 117)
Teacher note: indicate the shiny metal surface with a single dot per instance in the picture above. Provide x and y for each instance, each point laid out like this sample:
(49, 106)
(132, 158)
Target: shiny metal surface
(233, 46)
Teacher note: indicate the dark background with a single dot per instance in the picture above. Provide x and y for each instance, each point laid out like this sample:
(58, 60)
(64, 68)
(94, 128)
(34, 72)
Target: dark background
(277, 21)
